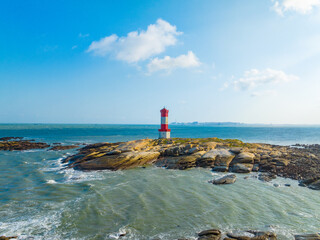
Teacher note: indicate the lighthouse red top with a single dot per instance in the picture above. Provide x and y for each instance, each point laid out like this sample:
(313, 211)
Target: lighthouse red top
(164, 112)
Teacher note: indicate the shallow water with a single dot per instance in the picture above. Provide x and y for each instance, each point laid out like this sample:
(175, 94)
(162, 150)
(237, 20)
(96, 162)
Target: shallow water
(39, 198)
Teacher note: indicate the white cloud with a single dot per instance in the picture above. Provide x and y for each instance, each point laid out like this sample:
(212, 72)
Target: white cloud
(169, 63)
(300, 6)
(254, 78)
(138, 46)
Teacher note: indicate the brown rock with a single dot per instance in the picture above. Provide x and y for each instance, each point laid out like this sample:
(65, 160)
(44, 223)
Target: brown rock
(228, 179)
(242, 168)
(115, 162)
(212, 234)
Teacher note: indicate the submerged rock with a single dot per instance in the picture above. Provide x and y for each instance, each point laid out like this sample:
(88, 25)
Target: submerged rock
(314, 236)
(267, 177)
(228, 179)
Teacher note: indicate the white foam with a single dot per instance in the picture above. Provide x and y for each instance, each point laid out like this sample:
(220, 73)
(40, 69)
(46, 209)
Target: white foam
(51, 181)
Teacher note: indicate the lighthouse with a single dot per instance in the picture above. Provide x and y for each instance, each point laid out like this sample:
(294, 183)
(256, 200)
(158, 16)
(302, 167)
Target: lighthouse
(164, 131)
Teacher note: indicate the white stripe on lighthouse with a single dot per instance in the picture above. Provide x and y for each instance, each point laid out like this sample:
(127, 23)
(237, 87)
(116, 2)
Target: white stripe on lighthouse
(164, 120)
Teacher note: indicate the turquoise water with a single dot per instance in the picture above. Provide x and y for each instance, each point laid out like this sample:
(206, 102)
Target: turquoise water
(40, 199)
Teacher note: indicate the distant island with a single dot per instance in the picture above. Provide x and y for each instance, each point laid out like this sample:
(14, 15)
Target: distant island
(210, 123)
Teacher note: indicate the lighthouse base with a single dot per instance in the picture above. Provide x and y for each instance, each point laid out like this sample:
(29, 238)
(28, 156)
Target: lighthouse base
(164, 134)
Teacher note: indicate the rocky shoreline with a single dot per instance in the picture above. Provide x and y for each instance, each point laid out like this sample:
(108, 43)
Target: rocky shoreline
(19, 144)
(299, 162)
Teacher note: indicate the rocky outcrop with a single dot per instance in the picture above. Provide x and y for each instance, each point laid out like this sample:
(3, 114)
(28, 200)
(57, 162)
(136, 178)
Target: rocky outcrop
(22, 145)
(124, 160)
(228, 179)
(221, 155)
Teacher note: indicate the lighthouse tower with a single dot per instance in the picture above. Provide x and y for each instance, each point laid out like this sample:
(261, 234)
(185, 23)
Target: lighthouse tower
(164, 131)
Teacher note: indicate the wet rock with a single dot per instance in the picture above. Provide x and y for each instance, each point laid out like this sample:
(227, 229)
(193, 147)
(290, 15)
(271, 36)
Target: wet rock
(314, 236)
(63, 147)
(255, 168)
(276, 185)
(267, 177)
(116, 162)
(212, 234)
(242, 168)
(10, 138)
(315, 185)
(312, 183)
(240, 235)
(287, 185)
(21, 145)
(7, 238)
(228, 179)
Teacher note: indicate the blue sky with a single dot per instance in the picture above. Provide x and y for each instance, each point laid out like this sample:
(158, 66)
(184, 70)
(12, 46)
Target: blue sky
(121, 61)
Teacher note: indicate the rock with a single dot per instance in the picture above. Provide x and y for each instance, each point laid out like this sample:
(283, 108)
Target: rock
(276, 185)
(255, 168)
(212, 234)
(193, 150)
(314, 236)
(114, 152)
(220, 168)
(315, 185)
(228, 179)
(236, 150)
(187, 162)
(244, 157)
(7, 238)
(21, 145)
(259, 235)
(207, 146)
(136, 145)
(10, 138)
(287, 185)
(312, 183)
(62, 147)
(280, 161)
(175, 151)
(267, 177)
(216, 158)
(115, 162)
(242, 168)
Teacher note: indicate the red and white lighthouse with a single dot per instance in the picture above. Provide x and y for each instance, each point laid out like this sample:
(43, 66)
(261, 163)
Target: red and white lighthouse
(164, 131)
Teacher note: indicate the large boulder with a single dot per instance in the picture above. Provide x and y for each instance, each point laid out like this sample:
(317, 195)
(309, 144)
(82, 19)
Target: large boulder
(244, 157)
(124, 160)
(228, 179)
(215, 158)
(212, 234)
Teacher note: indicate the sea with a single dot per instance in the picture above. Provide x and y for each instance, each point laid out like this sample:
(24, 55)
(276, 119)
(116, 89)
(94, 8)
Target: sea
(42, 199)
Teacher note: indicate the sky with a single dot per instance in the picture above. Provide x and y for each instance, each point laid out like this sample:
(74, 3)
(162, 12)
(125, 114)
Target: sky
(120, 62)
